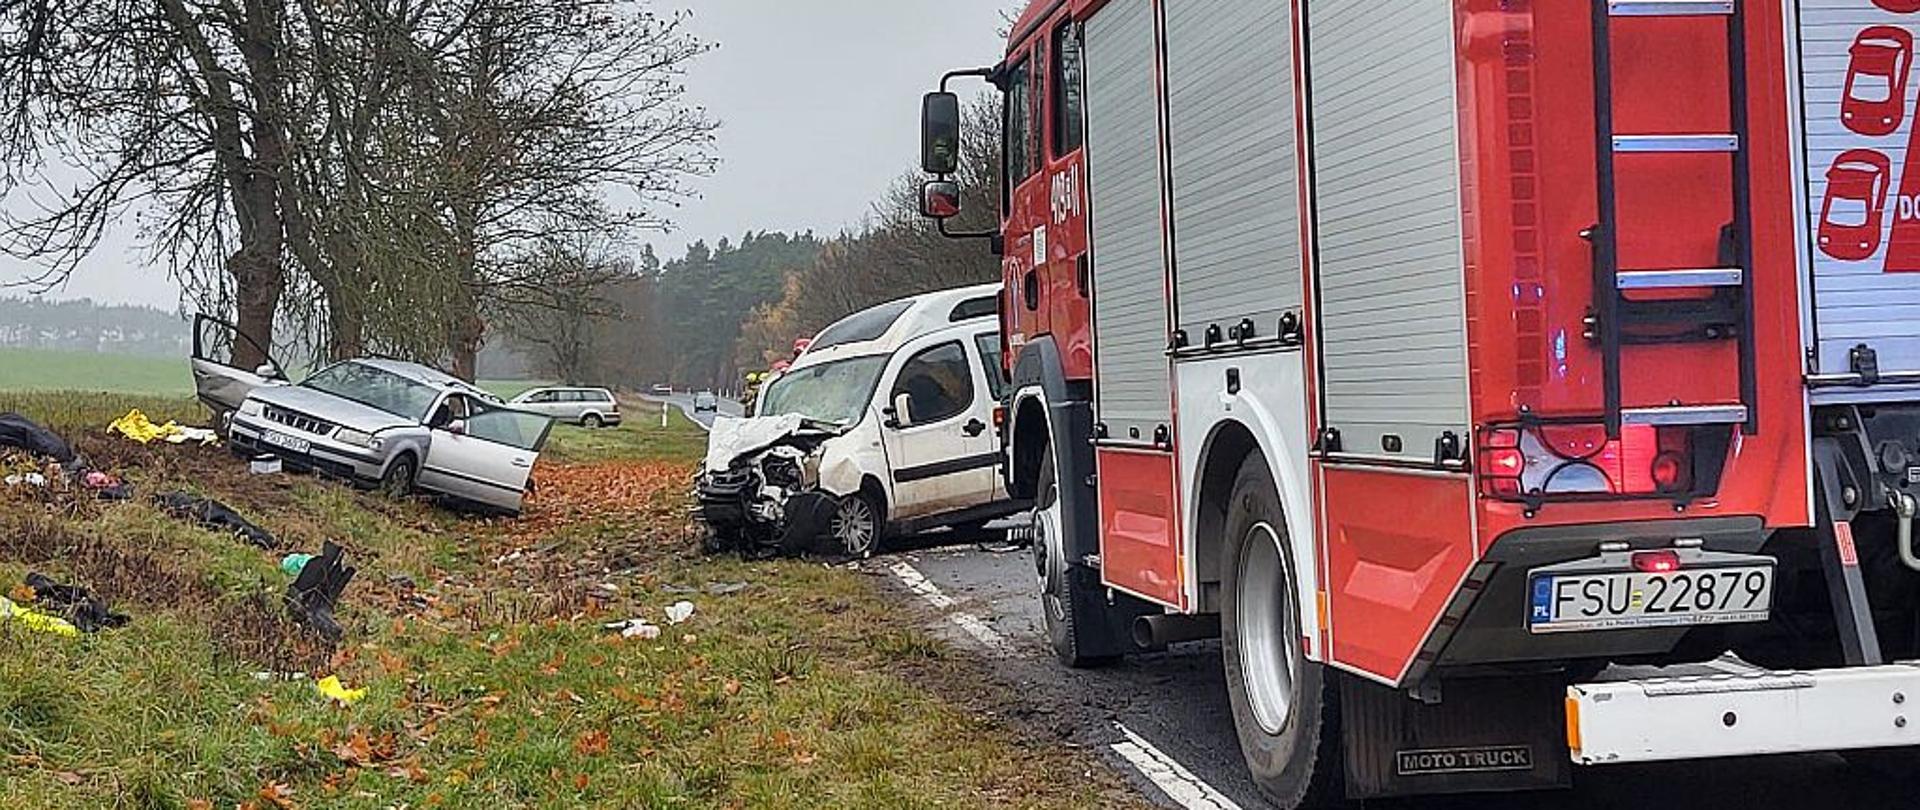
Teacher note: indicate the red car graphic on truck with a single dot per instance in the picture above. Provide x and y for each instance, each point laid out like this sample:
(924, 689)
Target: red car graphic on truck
(1856, 205)
(1876, 96)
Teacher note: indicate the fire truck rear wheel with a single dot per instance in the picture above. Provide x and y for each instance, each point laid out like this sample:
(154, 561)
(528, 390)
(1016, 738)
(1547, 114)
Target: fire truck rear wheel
(1078, 627)
(1285, 707)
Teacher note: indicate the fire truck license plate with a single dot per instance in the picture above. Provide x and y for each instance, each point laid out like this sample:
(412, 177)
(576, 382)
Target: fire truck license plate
(1620, 601)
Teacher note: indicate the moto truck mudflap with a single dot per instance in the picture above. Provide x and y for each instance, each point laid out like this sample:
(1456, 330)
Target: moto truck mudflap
(1484, 735)
(1743, 712)
(1860, 176)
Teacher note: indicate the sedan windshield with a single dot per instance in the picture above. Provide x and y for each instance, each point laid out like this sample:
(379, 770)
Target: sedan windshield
(376, 388)
(830, 392)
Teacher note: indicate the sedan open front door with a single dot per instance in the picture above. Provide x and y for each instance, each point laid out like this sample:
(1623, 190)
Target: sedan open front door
(217, 381)
(487, 457)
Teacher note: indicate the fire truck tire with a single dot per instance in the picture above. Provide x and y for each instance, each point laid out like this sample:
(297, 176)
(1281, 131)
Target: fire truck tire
(1079, 625)
(1285, 707)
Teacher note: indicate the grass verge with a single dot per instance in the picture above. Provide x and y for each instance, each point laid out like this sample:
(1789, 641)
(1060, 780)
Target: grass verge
(490, 679)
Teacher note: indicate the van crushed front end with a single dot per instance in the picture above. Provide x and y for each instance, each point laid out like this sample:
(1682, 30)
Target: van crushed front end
(759, 492)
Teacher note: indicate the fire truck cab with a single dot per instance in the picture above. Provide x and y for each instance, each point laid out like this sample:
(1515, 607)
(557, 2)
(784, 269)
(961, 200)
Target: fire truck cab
(1511, 384)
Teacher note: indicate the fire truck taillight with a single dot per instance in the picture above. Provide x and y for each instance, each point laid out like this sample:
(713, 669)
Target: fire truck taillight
(1576, 460)
(1502, 464)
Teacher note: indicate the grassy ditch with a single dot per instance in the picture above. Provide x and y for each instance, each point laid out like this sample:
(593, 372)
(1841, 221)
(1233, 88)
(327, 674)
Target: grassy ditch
(490, 681)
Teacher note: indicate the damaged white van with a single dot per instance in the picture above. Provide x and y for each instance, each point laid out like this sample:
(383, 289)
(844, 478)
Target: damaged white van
(884, 427)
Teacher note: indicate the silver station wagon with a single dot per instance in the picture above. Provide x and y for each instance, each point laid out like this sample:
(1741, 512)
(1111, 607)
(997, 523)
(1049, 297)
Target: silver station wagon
(587, 407)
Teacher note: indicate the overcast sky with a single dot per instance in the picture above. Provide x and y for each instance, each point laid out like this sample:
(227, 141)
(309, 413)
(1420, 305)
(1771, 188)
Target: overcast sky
(819, 101)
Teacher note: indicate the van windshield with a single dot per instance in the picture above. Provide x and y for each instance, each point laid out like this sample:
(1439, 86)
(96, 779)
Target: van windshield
(834, 392)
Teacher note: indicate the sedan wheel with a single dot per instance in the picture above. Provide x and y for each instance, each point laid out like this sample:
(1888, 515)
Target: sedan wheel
(398, 481)
(856, 524)
(591, 420)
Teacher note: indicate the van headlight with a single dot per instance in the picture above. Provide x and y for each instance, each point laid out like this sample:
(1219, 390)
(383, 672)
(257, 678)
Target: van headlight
(357, 439)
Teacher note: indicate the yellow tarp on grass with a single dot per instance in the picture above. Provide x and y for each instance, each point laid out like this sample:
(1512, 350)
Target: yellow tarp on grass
(136, 426)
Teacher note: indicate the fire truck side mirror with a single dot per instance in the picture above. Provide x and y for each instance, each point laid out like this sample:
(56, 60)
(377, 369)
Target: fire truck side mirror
(940, 199)
(940, 133)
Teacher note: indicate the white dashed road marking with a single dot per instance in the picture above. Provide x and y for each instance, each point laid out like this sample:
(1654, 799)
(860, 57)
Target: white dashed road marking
(917, 582)
(1171, 777)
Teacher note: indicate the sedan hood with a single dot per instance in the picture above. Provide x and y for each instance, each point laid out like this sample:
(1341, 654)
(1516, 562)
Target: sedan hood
(733, 439)
(322, 405)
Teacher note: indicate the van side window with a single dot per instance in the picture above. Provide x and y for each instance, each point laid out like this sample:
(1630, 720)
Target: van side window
(940, 382)
(989, 343)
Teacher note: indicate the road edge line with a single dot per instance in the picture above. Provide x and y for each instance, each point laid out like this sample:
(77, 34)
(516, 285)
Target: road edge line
(1167, 774)
(968, 623)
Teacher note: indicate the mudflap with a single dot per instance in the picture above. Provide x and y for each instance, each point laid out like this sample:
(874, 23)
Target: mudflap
(1485, 735)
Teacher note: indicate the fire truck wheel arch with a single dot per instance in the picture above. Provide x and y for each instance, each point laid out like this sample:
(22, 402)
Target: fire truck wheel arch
(1219, 431)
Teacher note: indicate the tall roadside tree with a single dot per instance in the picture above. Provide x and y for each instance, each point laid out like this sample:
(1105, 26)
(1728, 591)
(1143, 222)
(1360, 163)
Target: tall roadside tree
(178, 104)
(544, 106)
(894, 254)
(360, 168)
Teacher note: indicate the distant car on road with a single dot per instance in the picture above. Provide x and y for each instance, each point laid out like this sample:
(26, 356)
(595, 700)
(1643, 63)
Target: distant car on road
(588, 407)
(663, 390)
(385, 424)
(707, 402)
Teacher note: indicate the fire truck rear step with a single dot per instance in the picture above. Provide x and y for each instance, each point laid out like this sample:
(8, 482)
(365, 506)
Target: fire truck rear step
(1740, 711)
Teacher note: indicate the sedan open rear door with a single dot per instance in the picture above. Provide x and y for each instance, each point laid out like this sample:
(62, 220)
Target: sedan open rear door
(217, 381)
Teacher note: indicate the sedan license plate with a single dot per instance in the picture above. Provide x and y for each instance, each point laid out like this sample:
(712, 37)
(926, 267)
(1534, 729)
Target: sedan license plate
(286, 442)
(1563, 603)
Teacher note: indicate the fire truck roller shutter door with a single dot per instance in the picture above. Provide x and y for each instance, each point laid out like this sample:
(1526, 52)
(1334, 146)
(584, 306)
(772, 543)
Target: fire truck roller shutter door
(1862, 175)
(1386, 181)
(1132, 385)
(1235, 173)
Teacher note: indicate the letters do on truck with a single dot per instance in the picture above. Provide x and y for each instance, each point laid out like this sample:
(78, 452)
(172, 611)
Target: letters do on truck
(1443, 376)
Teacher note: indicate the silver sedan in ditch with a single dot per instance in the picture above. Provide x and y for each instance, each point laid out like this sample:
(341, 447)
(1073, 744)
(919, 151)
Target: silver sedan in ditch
(397, 426)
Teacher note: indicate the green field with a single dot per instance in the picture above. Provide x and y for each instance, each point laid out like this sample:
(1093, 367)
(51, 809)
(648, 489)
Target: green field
(42, 370)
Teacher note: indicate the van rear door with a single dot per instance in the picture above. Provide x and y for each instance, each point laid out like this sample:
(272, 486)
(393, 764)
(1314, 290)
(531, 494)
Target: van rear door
(1861, 190)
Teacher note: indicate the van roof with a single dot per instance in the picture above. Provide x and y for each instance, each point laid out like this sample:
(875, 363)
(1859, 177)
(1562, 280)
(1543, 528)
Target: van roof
(884, 328)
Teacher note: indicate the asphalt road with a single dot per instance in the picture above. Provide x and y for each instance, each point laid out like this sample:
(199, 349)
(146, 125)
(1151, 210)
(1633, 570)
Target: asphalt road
(684, 401)
(1175, 702)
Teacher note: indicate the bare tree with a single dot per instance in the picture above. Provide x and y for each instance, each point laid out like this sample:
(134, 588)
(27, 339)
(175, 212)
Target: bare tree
(364, 168)
(177, 104)
(896, 253)
(560, 317)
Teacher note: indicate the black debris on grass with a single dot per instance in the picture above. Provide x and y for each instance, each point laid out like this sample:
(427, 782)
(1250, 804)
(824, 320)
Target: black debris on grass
(75, 604)
(215, 515)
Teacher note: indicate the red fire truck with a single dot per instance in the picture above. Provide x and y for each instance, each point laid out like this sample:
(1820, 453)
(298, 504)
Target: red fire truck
(1511, 384)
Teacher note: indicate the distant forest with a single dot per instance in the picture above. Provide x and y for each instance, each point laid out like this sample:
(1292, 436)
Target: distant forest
(86, 326)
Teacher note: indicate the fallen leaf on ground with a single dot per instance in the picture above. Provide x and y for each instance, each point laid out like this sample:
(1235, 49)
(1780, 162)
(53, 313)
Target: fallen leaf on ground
(592, 743)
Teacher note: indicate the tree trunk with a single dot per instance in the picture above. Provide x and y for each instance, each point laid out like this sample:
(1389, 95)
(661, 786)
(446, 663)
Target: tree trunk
(258, 282)
(346, 327)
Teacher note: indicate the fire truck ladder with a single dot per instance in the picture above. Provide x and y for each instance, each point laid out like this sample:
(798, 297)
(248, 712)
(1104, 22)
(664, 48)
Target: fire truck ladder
(1619, 319)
